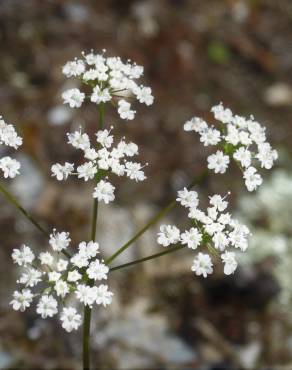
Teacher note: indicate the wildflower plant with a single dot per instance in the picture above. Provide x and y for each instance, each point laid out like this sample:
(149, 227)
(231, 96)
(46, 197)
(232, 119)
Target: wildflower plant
(50, 277)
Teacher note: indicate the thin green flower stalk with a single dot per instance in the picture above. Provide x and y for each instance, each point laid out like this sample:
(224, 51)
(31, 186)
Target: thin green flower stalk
(11, 198)
(148, 258)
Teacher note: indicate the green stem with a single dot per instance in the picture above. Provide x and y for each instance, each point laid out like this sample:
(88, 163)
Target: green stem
(94, 220)
(86, 337)
(144, 259)
(15, 202)
(11, 198)
(154, 220)
(87, 309)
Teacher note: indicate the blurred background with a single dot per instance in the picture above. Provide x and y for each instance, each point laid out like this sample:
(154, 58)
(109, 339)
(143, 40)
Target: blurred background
(196, 53)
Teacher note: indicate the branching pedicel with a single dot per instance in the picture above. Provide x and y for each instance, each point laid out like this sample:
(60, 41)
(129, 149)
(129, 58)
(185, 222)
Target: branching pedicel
(108, 79)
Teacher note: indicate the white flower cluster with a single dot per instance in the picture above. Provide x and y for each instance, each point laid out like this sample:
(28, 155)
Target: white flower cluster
(240, 138)
(9, 137)
(110, 78)
(59, 278)
(104, 158)
(215, 229)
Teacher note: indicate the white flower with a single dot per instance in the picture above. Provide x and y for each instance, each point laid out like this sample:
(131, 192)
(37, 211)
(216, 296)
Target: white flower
(73, 276)
(92, 249)
(59, 240)
(31, 277)
(218, 202)
(233, 135)
(87, 171)
(243, 155)
(195, 124)
(136, 71)
(213, 227)
(79, 140)
(266, 155)
(104, 138)
(202, 265)
(47, 306)
(222, 114)
(46, 258)
(238, 237)
(198, 215)
(86, 294)
(62, 265)
(97, 270)
(71, 320)
(21, 300)
(93, 59)
(104, 191)
(100, 96)
(218, 162)
(210, 137)
(257, 133)
(134, 172)
(103, 295)
(252, 179)
(73, 68)
(192, 238)
(73, 97)
(90, 75)
(61, 172)
(224, 218)
(230, 264)
(129, 149)
(188, 198)
(79, 260)
(61, 288)
(212, 213)
(220, 240)
(54, 276)
(125, 111)
(10, 167)
(91, 154)
(8, 135)
(168, 235)
(144, 95)
(23, 256)
(89, 250)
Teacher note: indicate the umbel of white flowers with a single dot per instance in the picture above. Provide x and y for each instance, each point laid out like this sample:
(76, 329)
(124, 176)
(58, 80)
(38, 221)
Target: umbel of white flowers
(215, 229)
(101, 156)
(110, 79)
(58, 277)
(240, 138)
(9, 138)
